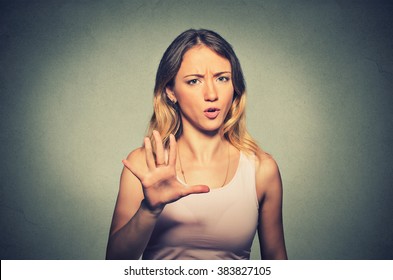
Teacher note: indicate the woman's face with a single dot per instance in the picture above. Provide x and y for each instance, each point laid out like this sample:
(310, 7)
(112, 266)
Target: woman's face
(203, 89)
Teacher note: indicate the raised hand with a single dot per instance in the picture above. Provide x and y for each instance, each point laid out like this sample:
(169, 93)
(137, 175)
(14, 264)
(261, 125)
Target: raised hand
(160, 184)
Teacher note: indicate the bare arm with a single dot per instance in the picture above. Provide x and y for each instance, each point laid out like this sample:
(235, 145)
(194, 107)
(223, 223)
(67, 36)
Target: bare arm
(147, 184)
(132, 223)
(270, 229)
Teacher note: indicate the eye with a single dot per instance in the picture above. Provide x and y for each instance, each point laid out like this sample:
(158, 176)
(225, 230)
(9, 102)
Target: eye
(192, 82)
(223, 79)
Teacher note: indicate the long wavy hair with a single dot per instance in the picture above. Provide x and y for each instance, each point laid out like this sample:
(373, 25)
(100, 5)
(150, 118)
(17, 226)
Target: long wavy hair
(166, 117)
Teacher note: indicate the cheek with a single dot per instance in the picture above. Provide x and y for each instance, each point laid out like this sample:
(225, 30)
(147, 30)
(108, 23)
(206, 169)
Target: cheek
(229, 98)
(186, 103)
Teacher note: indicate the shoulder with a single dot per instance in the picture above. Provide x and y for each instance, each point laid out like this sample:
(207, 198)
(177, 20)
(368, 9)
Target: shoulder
(136, 155)
(267, 175)
(265, 165)
(135, 161)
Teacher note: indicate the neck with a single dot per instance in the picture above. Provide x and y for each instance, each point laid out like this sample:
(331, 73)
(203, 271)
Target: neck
(201, 147)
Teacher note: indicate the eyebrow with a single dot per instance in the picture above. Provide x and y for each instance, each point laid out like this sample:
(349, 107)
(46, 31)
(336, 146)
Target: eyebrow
(201, 76)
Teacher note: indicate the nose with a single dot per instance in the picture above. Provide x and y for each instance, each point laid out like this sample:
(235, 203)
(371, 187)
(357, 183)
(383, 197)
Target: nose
(210, 93)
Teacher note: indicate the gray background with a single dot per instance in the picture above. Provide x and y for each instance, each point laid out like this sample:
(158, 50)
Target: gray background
(76, 81)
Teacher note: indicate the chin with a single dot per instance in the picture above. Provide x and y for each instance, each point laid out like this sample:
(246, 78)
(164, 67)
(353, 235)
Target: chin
(212, 130)
(211, 127)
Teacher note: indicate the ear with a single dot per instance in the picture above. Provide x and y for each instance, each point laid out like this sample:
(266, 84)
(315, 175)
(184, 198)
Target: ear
(170, 94)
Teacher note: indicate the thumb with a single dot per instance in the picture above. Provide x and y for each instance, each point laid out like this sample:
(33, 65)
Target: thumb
(128, 165)
(195, 189)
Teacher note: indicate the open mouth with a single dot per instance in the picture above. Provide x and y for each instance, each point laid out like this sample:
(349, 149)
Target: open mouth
(212, 113)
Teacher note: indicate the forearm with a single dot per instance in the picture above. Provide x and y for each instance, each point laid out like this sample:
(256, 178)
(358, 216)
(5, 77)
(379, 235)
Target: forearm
(130, 241)
(274, 253)
(272, 242)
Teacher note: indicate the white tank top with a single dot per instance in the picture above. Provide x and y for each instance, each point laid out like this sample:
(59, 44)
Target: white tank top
(220, 224)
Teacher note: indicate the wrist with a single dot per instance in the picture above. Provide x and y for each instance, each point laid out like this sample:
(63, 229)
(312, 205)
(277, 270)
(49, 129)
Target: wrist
(155, 211)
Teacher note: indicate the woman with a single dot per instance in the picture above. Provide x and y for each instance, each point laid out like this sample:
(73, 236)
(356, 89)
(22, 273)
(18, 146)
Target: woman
(200, 187)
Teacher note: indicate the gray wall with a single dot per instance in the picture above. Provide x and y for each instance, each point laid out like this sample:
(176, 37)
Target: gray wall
(76, 80)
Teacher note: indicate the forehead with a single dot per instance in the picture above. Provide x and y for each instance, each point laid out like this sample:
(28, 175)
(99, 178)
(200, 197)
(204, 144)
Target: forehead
(200, 59)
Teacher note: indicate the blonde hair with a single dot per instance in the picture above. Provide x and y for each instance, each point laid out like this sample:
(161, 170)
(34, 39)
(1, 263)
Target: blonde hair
(166, 117)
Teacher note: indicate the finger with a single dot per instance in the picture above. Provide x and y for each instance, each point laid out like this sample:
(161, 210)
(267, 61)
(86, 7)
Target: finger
(195, 190)
(172, 150)
(149, 154)
(160, 156)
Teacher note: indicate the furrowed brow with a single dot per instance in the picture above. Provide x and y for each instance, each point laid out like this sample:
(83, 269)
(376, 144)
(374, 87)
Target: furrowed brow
(194, 75)
(202, 76)
(221, 73)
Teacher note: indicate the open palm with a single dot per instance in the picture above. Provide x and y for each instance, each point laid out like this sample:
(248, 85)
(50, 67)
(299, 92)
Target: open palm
(160, 184)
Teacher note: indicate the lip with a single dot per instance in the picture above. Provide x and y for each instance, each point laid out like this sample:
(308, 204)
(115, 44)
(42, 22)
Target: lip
(211, 113)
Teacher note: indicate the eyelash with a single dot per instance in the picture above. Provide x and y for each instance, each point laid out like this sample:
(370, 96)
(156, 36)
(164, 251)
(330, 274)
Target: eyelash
(226, 79)
(220, 79)
(192, 82)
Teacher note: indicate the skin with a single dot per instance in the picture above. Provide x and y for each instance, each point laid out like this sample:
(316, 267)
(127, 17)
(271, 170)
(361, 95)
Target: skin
(148, 183)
